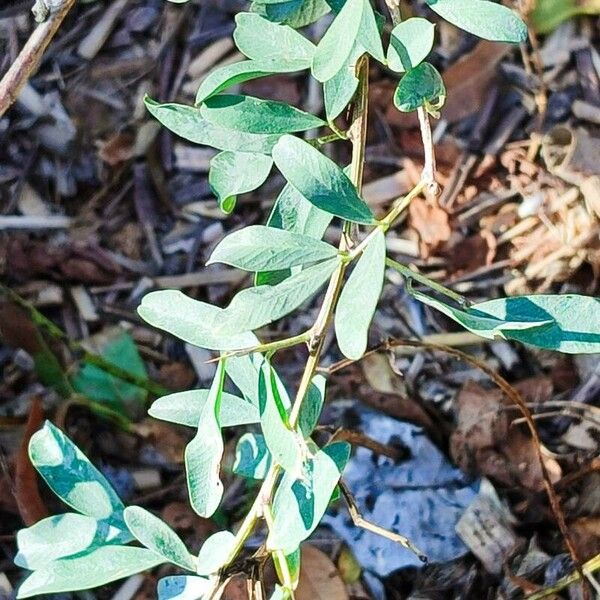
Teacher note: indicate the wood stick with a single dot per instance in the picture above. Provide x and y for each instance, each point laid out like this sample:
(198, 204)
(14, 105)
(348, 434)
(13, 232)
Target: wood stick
(29, 58)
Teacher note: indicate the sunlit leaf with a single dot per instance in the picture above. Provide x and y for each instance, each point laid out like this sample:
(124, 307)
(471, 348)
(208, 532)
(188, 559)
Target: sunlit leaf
(310, 411)
(340, 89)
(182, 587)
(252, 457)
(233, 173)
(320, 180)
(214, 552)
(352, 318)
(410, 43)
(295, 13)
(156, 535)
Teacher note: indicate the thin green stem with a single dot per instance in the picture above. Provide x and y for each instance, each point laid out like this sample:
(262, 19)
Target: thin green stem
(434, 285)
(270, 347)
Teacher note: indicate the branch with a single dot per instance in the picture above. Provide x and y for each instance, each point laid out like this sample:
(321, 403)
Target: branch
(29, 58)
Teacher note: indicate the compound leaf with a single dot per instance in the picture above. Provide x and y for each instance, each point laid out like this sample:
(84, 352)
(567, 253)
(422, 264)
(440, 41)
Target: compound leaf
(299, 505)
(410, 43)
(352, 318)
(487, 20)
(103, 565)
(185, 408)
(204, 453)
(156, 535)
(188, 123)
(320, 180)
(260, 248)
(233, 173)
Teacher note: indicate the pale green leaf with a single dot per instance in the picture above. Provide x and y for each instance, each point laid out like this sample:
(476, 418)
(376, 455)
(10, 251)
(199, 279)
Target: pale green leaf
(320, 180)
(290, 569)
(252, 457)
(156, 535)
(299, 505)
(103, 565)
(258, 306)
(185, 408)
(232, 74)
(243, 371)
(214, 552)
(233, 173)
(63, 535)
(182, 587)
(488, 20)
(283, 442)
(293, 212)
(258, 38)
(410, 44)
(187, 122)
(310, 411)
(204, 453)
(340, 89)
(352, 318)
(254, 115)
(260, 248)
(72, 477)
(368, 33)
(190, 320)
(421, 86)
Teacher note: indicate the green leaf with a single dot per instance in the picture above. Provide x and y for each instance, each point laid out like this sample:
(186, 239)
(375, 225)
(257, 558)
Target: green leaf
(310, 411)
(292, 567)
(340, 89)
(63, 535)
(295, 13)
(487, 20)
(479, 322)
(421, 86)
(185, 408)
(232, 74)
(294, 213)
(573, 321)
(96, 384)
(188, 123)
(352, 318)
(299, 505)
(214, 552)
(156, 535)
(336, 45)
(258, 38)
(254, 115)
(204, 453)
(243, 371)
(368, 33)
(258, 306)
(283, 442)
(190, 320)
(182, 587)
(320, 180)
(103, 565)
(410, 43)
(233, 173)
(252, 457)
(71, 476)
(260, 248)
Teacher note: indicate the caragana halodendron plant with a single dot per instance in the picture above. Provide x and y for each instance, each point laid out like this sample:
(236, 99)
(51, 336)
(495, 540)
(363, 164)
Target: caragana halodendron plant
(101, 540)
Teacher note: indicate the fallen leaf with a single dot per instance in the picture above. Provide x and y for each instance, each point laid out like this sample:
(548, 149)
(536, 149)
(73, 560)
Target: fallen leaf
(431, 224)
(471, 253)
(319, 578)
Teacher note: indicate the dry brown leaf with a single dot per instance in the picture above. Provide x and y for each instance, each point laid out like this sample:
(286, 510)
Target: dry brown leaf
(431, 223)
(319, 577)
(471, 253)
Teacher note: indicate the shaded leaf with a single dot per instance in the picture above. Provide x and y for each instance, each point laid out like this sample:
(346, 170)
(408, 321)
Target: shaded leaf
(233, 173)
(156, 535)
(204, 453)
(320, 180)
(190, 320)
(421, 86)
(185, 408)
(258, 38)
(295, 13)
(319, 578)
(254, 115)
(352, 318)
(287, 567)
(260, 248)
(214, 552)
(182, 587)
(71, 476)
(310, 411)
(410, 43)
(254, 307)
(487, 20)
(103, 565)
(298, 505)
(252, 458)
(188, 123)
